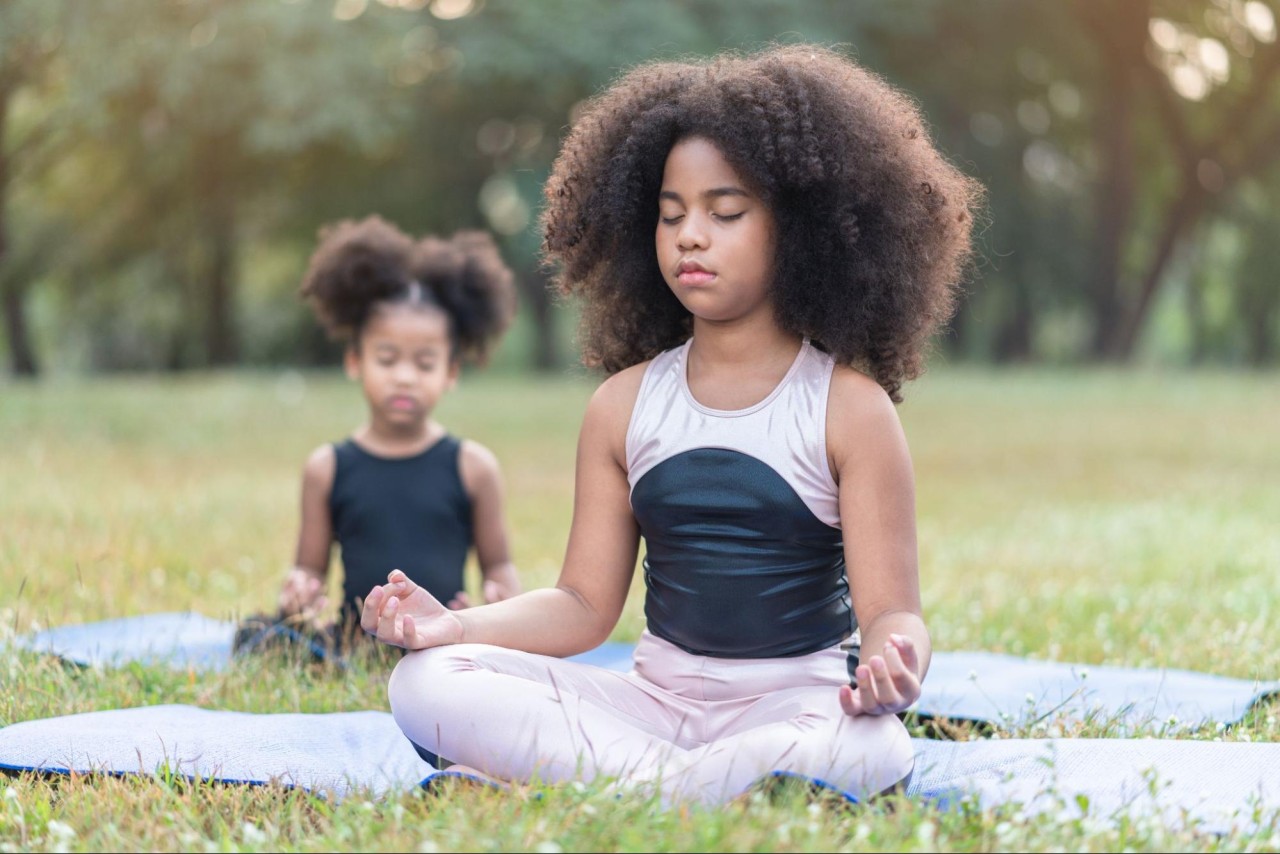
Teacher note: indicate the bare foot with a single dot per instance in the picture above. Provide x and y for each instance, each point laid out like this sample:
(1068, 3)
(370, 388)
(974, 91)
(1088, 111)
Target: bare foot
(467, 774)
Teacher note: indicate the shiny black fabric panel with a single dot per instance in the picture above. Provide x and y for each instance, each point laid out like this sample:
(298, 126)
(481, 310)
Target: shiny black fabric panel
(736, 564)
(410, 514)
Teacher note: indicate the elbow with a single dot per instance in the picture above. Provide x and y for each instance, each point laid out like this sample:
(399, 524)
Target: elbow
(592, 625)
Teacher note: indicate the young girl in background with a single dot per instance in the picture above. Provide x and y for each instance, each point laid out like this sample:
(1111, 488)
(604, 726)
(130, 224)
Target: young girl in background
(401, 492)
(763, 246)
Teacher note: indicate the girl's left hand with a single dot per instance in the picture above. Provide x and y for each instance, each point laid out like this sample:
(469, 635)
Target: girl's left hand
(403, 614)
(887, 683)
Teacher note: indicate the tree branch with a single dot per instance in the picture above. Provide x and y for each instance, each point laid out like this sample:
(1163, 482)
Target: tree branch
(1174, 119)
(1234, 120)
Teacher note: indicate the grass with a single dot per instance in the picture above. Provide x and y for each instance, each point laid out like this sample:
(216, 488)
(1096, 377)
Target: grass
(1094, 517)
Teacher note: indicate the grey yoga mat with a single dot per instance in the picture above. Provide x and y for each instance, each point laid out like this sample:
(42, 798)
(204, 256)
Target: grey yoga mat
(973, 686)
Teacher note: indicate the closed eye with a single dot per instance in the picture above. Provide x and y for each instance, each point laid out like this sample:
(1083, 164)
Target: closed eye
(671, 220)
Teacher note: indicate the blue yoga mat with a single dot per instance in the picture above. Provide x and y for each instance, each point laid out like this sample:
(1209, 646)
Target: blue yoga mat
(1004, 689)
(1218, 786)
(180, 640)
(973, 686)
(334, 752)
(1215, 784)
(189, 640)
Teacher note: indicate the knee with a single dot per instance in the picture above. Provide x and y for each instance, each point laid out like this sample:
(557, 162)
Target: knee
(894, 756)
(424, 674)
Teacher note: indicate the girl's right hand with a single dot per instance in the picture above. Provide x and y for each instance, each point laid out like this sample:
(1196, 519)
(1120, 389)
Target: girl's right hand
(403, 614)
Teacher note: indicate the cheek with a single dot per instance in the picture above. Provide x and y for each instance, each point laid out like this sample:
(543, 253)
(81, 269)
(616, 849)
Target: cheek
(758, 246)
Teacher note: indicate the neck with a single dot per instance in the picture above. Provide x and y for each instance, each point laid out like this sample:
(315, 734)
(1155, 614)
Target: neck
(756, 341)
(397, 438)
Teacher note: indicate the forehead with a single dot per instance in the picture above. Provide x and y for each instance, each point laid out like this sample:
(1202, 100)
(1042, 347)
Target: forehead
(696, 163)
(406, 326)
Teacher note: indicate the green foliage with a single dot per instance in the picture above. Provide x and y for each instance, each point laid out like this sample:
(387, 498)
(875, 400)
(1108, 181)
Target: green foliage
(173, 152)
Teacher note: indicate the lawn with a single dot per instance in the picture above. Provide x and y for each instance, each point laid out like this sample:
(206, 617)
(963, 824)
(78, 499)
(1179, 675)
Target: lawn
(1097, 517)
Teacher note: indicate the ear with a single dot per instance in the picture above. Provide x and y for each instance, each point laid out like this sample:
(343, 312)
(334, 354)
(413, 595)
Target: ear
(455, 368)
(351, 362)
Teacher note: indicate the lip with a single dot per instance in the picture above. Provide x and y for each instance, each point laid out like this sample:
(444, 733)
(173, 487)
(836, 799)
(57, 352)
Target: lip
(692, 274)
(402, 403)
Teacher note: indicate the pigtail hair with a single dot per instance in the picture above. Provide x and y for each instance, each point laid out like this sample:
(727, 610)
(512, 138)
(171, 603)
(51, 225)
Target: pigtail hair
(469, 280)
(356, 264)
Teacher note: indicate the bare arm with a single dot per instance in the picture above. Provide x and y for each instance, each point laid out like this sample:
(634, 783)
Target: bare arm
(869, 456)
(482, 478)
(584, 606)
(303, 589)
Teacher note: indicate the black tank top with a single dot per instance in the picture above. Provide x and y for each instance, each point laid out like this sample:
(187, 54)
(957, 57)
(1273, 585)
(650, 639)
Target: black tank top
(411, 514)
(744, 550)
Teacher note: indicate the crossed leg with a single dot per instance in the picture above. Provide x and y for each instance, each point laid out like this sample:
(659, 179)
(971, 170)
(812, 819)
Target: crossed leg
(519, 716)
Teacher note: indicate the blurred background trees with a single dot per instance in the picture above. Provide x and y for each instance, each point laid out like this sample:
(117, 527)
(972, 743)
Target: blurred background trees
(165, 164)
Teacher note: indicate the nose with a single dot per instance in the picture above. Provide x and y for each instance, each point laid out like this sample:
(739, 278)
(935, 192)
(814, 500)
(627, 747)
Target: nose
(404, 372)
(692, 234)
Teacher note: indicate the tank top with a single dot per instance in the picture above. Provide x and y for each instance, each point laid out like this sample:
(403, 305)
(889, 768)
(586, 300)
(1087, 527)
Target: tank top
(740, 515)
(411, 513)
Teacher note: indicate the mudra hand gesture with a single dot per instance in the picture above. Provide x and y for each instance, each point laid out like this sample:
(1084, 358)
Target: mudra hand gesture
(403, 614)
(886, 684)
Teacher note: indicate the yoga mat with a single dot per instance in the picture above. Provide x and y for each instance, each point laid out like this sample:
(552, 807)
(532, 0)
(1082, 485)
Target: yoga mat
(1217, 785)
(338, 751)
(180, 640)
(185, 639)
(974, 686)
(1005, 689)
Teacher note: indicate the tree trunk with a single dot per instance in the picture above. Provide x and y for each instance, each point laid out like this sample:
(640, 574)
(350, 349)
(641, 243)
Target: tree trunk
(1121, 45)
(1198, 320)
(1258, 298)
(22, 359)
(221, 345)
(1184, 213)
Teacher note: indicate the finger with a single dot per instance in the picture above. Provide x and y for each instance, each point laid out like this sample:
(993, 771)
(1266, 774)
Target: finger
(905, 681)
(907, 648)
(849, 701)
(866, 689)
(388, 624)
(409, 633)
(370, 612)
(886, 691)
(459, 601)
(493, 592)
(403, 587)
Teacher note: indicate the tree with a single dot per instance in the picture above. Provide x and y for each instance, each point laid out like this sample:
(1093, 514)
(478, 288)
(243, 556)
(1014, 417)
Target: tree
(212, 104)
(30, 31)
(1210, 76)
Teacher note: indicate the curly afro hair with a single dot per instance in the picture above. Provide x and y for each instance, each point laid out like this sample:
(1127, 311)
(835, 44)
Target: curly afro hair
(360, 266)
(873, 222)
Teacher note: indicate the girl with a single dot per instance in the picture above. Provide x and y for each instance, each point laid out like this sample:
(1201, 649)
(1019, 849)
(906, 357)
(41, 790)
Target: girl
(401, 492)
(762, 246)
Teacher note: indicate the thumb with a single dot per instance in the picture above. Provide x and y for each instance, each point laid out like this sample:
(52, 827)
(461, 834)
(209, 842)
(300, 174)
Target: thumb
(493, 592)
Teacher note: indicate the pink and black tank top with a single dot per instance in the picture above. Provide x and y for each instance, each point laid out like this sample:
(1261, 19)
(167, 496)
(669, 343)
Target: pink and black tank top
(740, 515)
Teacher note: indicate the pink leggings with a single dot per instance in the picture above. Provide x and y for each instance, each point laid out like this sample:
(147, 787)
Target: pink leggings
(685, 727)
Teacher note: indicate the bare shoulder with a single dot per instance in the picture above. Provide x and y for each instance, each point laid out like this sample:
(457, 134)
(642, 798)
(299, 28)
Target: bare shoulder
(860, 414)
(320, 466)
(609, 411)
(478, 466)
(613, 401)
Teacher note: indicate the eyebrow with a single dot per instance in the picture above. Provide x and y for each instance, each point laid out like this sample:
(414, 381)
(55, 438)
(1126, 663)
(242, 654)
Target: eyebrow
(714, 193)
